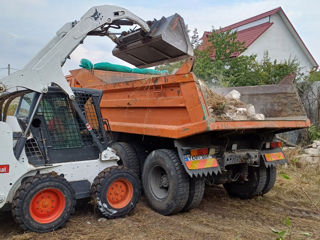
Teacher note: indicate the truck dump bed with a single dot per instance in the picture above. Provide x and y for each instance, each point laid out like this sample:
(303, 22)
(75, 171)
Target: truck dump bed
(174, 106)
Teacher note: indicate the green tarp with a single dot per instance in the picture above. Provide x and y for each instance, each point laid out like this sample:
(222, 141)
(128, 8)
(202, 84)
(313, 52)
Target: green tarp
(87, 64)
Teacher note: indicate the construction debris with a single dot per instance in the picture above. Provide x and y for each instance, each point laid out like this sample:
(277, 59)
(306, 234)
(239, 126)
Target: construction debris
(311, 155)
(228, 107)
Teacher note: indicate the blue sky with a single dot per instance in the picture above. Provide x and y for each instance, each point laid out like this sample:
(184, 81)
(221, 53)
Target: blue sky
(27, 25)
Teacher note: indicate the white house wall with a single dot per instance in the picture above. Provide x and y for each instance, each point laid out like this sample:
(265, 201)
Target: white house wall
(280, 44)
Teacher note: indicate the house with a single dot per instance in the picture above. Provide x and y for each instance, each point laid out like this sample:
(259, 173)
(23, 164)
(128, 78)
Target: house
(271, 32)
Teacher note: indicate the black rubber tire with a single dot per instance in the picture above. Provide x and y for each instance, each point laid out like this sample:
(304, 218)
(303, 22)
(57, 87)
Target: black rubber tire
(141, 154)
(271, 179)
(101, 185)
(128, 156)
(28, 189)
(196, 191)
(257, 178)
(174, 197)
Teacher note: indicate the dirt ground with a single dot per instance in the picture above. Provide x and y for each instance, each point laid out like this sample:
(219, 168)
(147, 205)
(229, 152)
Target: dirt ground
(218, 216)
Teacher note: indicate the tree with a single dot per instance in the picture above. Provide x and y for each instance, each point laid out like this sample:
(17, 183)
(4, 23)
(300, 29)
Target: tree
(225, 44)
(194, 39)
(225, 69)
(314, 76)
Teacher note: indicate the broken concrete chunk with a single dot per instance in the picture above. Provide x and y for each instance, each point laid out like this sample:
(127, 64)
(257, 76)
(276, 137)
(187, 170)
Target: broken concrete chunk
(317, 142)
(241, 110)
(312, 152)
(251, 110)
(234, 94)
(234, 116)
(258, 116)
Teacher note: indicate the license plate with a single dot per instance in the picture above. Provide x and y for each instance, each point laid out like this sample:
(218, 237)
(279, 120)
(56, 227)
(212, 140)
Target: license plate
(274, 156)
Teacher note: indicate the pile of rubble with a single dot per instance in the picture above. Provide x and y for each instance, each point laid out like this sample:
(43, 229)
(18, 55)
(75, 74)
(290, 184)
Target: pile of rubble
(312, 153)
(228, 107)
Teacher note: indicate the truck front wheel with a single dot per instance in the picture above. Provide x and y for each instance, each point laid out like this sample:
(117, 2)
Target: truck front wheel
(257, 180)
(165, 182)
(128, 156)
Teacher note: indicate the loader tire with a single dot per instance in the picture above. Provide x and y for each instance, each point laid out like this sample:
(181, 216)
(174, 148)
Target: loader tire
(257, 179)
(165, 182)
(128, 156)
(271, 179)
(116, 191)
(196, 191)
(43, 203)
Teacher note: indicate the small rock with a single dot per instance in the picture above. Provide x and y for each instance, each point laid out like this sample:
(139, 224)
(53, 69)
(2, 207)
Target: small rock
(317, 142)
(241, 110)
(234, 94)
(89, 223)
(259, 116)
(314, 145)
(251, 110)
(312, 152)
(102, 220)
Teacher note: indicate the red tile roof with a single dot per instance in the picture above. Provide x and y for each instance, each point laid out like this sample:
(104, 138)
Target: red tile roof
(248, 36)
(251, 34)
(252, 19)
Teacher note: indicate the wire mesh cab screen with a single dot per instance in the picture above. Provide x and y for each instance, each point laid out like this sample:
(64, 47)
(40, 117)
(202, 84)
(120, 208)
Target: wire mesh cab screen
(65, 128)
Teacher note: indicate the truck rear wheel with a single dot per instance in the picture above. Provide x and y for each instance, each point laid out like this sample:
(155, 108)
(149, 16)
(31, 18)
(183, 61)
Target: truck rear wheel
(128, 156)
(116, 191)
(43, 203)
(196, 191)
(257, 179)
(271, 179)
(165, 182)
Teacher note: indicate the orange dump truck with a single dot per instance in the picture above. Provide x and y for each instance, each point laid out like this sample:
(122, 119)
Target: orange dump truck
(179, 144)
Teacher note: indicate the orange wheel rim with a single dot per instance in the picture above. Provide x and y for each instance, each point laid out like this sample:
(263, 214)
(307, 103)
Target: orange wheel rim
(120, 193)
(47, 205)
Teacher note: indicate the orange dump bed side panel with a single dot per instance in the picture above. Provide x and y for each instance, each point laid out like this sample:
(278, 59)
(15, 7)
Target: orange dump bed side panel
(167, 106)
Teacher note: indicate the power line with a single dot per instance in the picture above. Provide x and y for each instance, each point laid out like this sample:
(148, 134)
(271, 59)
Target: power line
(9, 68)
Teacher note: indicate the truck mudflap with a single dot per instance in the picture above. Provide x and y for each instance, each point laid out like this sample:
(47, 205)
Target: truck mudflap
(198, 162)
(273, 157)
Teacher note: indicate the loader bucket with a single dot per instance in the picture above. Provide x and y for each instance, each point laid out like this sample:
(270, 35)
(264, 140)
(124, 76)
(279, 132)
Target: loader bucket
(167, 41)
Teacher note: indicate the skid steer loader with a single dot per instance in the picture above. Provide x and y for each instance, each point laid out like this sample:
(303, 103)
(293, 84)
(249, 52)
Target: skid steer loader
(55, 150)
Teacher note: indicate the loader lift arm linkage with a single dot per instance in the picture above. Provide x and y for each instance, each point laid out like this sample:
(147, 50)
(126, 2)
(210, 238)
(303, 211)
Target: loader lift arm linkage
(45, 68)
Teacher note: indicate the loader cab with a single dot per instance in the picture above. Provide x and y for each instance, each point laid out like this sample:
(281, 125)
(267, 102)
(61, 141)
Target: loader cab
(57, 132)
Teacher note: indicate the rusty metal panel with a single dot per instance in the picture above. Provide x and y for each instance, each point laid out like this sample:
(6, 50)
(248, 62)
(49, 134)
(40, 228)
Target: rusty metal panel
(280, 101)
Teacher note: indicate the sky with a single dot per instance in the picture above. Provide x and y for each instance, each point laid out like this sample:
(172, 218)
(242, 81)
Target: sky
(27, 25)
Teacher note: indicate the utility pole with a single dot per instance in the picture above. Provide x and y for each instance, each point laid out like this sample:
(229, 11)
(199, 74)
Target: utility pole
(8, 69)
